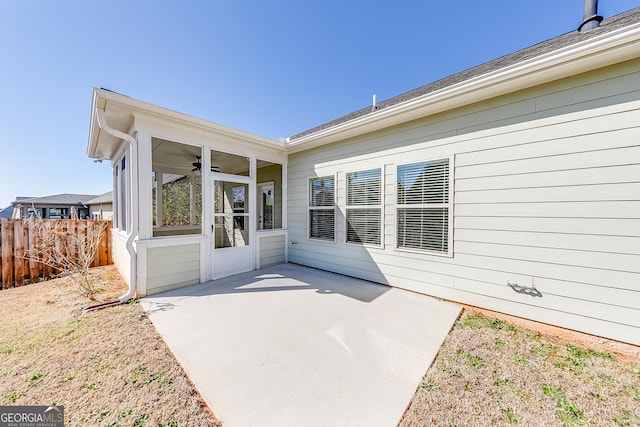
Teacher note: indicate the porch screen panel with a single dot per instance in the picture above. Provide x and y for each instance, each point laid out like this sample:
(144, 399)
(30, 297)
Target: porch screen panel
(231, 212)
(423, 206)
(364, 211)
(176, 193)
(322, 213)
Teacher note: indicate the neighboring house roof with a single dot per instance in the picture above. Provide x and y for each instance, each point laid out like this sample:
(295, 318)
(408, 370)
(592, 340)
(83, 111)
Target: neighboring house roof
(101, 199)
(557, 44)
(57, 199)
(6, 212)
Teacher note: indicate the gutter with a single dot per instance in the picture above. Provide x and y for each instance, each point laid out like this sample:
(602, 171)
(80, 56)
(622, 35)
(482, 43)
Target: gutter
(614, 47)
(133, 145)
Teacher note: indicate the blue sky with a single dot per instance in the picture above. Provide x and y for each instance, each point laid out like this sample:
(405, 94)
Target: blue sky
(274, 68)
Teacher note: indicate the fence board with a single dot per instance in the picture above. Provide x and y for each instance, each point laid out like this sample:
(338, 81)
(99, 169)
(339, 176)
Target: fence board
(109, 254)
(72, 228)
(17, 236)
(18, 248)
(47, 270)
(101, 253)
(6, 234)
(35, 268)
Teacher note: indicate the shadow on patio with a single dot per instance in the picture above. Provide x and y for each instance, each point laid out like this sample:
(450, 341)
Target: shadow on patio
(282, 277)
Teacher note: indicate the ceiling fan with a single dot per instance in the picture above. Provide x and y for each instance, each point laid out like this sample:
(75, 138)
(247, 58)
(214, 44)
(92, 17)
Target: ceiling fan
(197, 165)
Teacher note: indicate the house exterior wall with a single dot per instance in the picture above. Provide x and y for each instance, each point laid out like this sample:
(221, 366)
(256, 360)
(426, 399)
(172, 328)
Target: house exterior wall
(546, 195)
(272, 250)
(104, 211)
(172, 267)
(121, 257)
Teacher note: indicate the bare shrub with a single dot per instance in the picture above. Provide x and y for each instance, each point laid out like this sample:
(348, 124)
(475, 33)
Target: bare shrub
(69, 252)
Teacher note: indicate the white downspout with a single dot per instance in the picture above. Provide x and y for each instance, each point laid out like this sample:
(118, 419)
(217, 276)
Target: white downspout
(133, 194)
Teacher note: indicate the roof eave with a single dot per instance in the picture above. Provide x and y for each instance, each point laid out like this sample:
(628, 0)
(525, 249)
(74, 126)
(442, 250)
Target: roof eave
(105, 99)
(92, 145)
(608, 49)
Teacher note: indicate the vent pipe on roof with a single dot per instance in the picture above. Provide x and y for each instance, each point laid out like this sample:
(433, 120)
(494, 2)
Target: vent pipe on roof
(590, 19)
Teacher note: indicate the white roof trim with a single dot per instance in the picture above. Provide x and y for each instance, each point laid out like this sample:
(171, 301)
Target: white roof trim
(108, 100)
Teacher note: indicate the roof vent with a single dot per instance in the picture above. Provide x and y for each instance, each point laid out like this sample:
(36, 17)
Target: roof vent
(590, 19)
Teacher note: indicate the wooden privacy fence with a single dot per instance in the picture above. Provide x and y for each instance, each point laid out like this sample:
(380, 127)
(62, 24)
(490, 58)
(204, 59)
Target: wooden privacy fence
(17, 236)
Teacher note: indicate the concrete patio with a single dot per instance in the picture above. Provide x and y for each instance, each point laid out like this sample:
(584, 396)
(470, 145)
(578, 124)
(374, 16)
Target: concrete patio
(295, 346)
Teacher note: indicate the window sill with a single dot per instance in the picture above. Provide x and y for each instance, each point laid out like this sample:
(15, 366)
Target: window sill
(425, 252)
(365, 245)
(314, 239)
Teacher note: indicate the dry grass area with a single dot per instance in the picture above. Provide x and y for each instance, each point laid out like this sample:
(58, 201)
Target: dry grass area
(494, 372)
(108, 367)
(111, 368)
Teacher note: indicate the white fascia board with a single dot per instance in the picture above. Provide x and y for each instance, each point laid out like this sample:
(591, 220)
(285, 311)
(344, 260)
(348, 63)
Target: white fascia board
(94, 129)
(109, 100)
(608, 49)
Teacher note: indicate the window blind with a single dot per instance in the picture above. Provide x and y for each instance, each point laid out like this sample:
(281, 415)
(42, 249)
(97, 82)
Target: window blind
(423, 206)
(363, 211)
(322, 208)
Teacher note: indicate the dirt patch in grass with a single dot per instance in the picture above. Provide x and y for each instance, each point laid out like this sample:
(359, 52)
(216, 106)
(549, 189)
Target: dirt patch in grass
(494, 372)
(108, 367)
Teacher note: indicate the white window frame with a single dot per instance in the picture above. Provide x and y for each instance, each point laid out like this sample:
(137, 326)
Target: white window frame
(380, 206)
(449, 205)
(121, 200)
(124, 193)
(326, 208)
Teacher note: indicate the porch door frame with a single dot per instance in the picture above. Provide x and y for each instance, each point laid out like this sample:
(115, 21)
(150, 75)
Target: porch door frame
(233, 260)
(260, 204)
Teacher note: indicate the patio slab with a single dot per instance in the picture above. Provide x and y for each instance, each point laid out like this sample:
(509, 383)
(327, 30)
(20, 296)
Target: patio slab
(296, 346)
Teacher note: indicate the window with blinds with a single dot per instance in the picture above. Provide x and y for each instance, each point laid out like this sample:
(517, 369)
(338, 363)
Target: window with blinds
(364, 207)
(322, 213)
(423, 206)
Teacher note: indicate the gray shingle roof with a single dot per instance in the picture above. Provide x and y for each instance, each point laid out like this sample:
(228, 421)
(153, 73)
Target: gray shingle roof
(6, 212)
(57, 199)
(565, 40)
(101, 199)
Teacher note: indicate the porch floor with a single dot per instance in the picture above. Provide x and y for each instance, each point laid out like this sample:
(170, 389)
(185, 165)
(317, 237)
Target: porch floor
(295, 346)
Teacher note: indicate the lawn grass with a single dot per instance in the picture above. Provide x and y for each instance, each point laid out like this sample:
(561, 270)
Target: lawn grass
(108, 367)
(111, 368)
(492, 372)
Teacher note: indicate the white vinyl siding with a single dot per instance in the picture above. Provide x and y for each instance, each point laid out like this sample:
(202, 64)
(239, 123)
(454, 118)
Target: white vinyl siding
(546, 195)
(423, 206)
(322, 212)
(272, 250)
(172, 267)
(364, 207)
